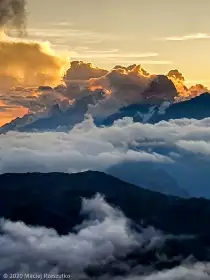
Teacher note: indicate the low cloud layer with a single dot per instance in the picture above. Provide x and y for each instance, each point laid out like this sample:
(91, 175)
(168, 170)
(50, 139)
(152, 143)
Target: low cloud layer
(103, 238)
(196, 271)
(101, 243)
(179, 147)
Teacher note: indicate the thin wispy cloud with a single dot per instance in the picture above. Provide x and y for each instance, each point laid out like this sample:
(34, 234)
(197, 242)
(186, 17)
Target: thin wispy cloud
(196, 36)
(108, 54)
(118, 56)
(138, 61)
(147, 62)
(68, 34)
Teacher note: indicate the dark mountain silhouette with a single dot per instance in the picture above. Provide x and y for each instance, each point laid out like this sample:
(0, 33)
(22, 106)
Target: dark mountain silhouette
(50, 199)
(194, 108)
(151, 111)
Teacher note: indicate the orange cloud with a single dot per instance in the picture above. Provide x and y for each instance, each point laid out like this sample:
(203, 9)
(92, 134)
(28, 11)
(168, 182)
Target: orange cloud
(78, 76)
(36, 70)
(81, 71)
(183, 92)
(28, 63)
(128, 85)
(125, 83)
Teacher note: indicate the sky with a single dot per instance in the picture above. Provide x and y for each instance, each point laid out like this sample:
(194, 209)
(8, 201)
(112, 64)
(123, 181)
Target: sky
(160, 35)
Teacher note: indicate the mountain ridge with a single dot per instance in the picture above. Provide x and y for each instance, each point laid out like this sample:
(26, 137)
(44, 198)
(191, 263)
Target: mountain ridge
(196, 107)
(63, 191)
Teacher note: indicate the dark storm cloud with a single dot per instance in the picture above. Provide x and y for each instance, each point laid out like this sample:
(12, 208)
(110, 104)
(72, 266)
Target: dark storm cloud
(13, 14)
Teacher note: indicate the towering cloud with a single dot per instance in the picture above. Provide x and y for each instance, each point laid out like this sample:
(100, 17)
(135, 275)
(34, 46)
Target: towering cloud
(29, 63)
(81, 71)
(24, 62)
(77, 78)
(128, 85)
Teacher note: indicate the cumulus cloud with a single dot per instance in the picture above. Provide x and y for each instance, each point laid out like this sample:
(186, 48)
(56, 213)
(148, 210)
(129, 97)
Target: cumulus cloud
(103, 238)
(128, 85)
(122, 85)
(121, 76)
(25, 65)
(77, 78)
(81, 71)
(39, 66)
(119, 87)
(28, 63)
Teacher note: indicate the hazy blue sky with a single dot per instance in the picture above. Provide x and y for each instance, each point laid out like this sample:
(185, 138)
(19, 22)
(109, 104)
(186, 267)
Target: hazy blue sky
(159, 34)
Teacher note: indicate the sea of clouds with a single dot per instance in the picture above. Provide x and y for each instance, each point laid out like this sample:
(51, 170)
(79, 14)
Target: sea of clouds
(180, 147)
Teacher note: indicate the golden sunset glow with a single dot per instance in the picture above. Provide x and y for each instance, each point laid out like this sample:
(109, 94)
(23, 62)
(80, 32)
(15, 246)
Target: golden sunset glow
(29, 63)
(11, 113)
(58, 45)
